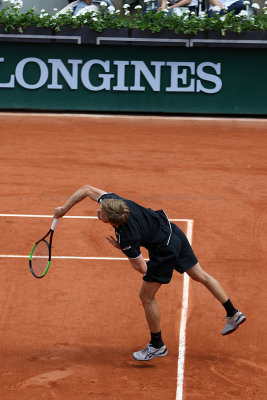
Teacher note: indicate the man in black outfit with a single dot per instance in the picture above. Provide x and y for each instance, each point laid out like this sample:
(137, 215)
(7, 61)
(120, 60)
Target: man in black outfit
(136, 226)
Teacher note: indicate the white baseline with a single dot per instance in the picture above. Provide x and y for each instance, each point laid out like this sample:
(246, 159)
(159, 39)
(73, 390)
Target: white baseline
(70, 217)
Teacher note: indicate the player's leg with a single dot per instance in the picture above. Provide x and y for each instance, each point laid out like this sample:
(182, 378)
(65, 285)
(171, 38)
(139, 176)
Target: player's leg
(234, 317)
(156, 347)
(199, 275)
(152, 313)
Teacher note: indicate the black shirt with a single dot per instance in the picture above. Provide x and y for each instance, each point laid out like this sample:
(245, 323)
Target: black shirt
(144, 227)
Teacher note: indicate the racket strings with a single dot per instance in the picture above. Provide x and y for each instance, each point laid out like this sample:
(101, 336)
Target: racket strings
(40, 258)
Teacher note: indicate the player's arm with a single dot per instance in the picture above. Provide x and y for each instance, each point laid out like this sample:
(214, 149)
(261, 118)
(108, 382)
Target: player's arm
(85, 191)
(139, 264)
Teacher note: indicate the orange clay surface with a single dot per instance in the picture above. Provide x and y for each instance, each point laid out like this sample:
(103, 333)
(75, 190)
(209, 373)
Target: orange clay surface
(71, 335)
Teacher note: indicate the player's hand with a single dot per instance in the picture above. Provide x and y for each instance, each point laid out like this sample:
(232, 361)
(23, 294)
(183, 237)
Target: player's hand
(59, 212)
(113, 241)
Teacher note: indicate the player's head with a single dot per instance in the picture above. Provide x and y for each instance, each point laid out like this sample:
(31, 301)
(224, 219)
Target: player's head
(114, 211)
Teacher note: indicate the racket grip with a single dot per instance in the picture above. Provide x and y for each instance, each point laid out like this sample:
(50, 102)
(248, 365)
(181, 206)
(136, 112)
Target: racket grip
(54, 223)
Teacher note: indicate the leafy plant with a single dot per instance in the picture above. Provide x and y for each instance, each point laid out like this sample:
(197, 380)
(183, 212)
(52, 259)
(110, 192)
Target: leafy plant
(107, 17)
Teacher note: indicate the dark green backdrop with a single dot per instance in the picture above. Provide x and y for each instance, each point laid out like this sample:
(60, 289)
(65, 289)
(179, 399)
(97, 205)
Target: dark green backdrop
(243, 76)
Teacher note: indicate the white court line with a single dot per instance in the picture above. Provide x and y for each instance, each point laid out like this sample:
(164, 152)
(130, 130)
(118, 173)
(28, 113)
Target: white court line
(71, 217)
(123, 116)
(182, 334)
(69, 257)
(45, 216)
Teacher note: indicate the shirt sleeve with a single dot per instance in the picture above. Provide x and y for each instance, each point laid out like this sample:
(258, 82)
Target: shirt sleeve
(108, 196)
(131, 250)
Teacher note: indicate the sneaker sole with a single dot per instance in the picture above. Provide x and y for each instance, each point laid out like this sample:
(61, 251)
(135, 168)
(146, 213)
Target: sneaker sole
(232, 330)
(152, 358)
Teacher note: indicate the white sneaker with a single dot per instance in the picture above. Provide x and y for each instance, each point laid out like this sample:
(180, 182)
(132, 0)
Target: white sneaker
(150, 352)
(233, 323)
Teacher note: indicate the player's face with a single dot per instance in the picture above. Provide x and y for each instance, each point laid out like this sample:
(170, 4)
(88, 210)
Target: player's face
(102, 215)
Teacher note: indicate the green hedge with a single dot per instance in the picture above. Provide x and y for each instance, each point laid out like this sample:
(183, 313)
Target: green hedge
(12, 19)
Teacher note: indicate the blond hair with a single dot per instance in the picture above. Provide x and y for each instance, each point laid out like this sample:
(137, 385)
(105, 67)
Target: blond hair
(116, 210)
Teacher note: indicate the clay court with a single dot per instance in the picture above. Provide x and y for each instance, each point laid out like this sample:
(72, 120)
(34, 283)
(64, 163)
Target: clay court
(71, 335)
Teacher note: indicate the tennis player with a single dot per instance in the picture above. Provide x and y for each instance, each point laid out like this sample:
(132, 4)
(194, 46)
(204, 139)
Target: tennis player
(169, 249)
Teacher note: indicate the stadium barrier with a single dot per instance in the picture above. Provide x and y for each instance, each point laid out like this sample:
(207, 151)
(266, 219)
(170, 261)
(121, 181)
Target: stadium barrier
(152, 73)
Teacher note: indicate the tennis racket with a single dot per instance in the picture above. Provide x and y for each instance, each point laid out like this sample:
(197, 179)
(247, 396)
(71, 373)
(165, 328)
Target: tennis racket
(40, 256)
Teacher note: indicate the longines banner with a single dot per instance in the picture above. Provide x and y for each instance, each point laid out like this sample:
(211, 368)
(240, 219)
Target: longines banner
(137, 79)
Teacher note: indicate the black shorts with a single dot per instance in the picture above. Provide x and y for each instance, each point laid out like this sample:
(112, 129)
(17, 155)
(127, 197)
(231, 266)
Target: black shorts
(178, 255)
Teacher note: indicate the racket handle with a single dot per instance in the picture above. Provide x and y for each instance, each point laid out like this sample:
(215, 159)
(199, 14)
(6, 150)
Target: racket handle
(54, 223)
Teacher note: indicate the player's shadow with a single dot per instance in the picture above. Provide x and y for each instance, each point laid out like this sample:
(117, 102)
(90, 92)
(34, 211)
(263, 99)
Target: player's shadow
(96, 354)
(139, 364)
